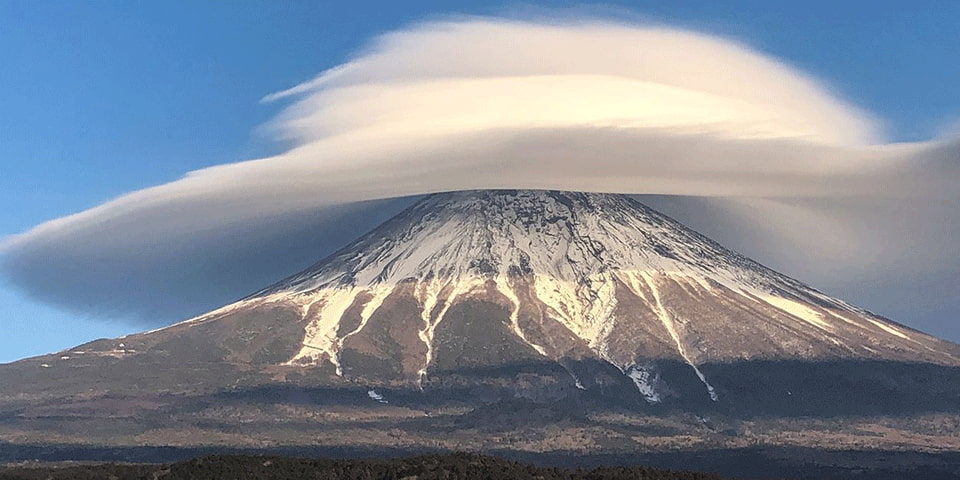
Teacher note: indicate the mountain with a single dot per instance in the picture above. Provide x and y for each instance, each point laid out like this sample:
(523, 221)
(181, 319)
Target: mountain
(488, 278)
(501, 311)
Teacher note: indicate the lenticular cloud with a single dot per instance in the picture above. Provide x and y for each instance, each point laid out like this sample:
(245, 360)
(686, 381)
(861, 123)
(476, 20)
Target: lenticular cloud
(452, 77)
(475, 103)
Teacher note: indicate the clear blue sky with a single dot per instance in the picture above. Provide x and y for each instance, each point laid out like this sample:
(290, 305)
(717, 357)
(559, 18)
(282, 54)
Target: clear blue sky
(100, 98)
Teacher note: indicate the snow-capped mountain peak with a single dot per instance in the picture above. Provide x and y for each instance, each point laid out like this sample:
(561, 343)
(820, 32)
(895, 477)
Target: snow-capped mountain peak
(564, 276)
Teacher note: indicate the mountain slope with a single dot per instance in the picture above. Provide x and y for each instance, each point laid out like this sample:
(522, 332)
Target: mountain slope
(469, 280)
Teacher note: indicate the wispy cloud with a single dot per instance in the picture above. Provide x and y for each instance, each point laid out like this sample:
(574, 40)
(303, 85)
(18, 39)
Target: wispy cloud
(495, 103)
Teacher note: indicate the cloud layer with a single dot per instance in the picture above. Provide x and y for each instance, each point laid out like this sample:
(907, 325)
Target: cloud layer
(734, 142)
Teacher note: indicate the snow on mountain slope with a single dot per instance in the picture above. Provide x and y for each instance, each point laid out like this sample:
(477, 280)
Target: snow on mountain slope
(580, 275)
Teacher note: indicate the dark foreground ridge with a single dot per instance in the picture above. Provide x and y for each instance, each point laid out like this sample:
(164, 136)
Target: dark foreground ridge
(455, 466)
(756, 463)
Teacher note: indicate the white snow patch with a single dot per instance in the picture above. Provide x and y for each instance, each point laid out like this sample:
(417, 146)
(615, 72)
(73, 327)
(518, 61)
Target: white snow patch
(576, 380)
(585, 308)
(889, 329)
(426, 334)
(320, 334)
(379, 293)
(504, 287)
(798, 310)
(668, 323)
(376, 396)
(644, 379)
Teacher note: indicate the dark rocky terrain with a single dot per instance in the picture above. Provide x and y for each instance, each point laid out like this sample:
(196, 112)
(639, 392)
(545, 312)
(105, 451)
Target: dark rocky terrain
(752, 463)
(429, 467)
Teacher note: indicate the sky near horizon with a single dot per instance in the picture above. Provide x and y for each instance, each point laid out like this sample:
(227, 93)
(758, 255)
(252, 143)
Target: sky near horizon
(103, 98)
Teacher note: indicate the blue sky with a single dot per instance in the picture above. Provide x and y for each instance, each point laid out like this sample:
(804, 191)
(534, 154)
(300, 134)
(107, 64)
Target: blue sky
(102, 98)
